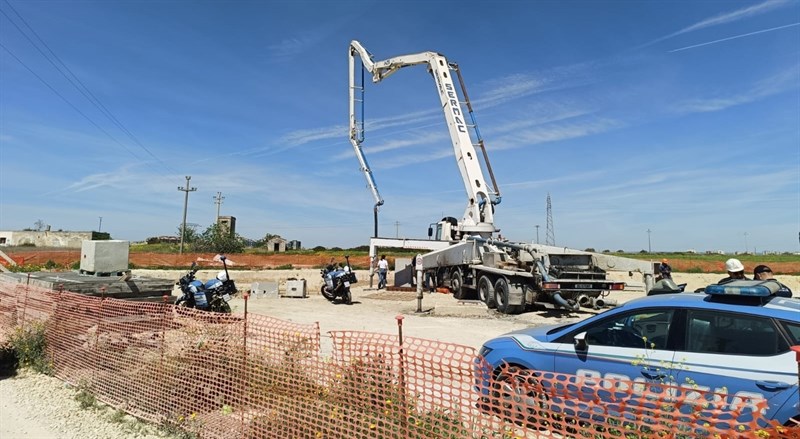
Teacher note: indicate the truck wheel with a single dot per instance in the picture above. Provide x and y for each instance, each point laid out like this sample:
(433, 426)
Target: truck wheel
(457, 284)
(486, 291)
(501, 298)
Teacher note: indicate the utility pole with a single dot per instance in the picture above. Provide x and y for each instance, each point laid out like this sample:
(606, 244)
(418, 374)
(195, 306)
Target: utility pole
(397, 229)
(537, 233)
(218, 201)
(186, 189)
(100, 226)
(649, 250)
(745, 242)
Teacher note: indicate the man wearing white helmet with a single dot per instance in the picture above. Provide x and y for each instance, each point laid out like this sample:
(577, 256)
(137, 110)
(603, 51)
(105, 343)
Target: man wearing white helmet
(735, 271)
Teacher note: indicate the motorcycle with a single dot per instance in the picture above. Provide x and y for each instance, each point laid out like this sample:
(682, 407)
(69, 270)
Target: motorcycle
(337, 282)
(213, 295)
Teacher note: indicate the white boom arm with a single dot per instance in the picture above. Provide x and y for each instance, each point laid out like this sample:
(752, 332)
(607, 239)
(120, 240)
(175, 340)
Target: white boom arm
(479, 216)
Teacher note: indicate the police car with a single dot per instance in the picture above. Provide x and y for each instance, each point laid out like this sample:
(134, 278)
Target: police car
(734, 338)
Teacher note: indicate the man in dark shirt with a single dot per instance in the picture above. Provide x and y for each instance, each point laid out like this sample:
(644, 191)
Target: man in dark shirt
(763, 272)
(735, 271)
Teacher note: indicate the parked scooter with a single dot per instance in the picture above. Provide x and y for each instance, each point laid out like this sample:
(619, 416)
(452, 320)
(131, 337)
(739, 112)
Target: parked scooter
(337, 282)
(213, 295)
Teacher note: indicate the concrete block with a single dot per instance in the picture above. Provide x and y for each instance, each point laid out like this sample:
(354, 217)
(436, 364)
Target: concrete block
(402, 271)
(264, 290)
(102, 257)
(295, 288)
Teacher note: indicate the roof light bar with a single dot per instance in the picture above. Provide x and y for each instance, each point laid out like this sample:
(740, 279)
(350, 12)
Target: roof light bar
(753, 288)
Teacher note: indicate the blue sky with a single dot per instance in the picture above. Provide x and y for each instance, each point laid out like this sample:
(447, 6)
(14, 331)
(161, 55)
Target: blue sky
(680, 117)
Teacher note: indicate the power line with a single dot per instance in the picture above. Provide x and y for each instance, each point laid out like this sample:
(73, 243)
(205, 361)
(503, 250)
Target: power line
(80, 86)
(68, 102)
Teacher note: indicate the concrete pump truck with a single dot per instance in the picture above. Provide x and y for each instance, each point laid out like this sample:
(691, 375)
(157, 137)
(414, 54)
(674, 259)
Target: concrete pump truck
(464, 254)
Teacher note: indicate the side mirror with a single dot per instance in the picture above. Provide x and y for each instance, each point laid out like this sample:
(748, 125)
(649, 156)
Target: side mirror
(580, 342)
(430, 232)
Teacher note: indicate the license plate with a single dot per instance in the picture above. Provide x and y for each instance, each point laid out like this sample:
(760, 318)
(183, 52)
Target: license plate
(346, 283)
(583, 285)
(226, 297)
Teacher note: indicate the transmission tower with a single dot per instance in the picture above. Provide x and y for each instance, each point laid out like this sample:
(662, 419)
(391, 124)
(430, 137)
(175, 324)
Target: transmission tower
(551, 235)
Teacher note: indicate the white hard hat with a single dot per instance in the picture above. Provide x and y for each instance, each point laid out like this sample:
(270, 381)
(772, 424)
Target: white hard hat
(223, 277)
(733, 265)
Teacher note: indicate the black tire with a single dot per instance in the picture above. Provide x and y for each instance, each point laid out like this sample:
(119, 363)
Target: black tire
(501, 298)
(486, 291)
(515, 400)
(325, 293)
(224, 307)
(457, 284)
(347, 297)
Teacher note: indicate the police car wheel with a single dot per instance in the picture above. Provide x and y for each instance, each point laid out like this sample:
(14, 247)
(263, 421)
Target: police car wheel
(515, 400)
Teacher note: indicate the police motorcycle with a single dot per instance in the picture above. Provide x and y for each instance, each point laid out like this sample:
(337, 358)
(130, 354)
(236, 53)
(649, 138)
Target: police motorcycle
(213, 295)
(337, 282)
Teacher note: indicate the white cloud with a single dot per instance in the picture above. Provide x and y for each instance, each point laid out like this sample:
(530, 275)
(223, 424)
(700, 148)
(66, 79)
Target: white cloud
(733, 37)
(775, 84)
(727, 17)
(554, 132)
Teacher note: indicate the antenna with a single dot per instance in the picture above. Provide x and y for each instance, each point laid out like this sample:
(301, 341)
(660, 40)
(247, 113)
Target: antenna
(551, 236)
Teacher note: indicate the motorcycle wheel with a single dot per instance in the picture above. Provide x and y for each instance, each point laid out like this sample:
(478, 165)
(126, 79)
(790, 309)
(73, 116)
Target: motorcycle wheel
(348, 298)
(224, 307)
(326, 294)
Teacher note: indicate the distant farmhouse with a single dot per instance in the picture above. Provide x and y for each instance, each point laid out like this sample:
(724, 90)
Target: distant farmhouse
(293, 245)
(276, 244)
(48, 238)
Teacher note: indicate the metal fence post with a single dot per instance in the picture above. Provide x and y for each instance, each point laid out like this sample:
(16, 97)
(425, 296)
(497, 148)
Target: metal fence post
(55, 328)
(402, 377)
(245, 387)
(25, 302)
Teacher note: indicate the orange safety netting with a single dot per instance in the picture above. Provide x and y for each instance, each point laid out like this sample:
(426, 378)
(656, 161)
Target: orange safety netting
(251, 376)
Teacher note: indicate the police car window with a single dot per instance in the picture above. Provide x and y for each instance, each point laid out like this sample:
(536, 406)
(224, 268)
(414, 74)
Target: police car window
(645, 329)
(794, 331)
(713, 332)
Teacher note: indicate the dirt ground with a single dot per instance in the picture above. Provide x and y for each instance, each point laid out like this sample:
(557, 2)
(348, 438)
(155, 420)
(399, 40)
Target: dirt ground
(444, 318)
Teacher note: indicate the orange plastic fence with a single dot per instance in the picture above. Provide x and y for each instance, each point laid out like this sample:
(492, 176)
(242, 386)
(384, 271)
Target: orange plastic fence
(251, 376)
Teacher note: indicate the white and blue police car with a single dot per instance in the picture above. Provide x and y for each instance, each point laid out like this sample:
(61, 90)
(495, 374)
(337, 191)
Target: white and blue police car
(734, 338)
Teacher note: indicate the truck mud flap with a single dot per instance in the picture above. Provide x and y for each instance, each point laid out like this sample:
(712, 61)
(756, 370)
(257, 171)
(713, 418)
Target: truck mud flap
(516, 294)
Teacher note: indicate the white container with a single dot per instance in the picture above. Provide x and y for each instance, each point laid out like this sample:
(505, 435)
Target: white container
(104, 257)
(295, 288)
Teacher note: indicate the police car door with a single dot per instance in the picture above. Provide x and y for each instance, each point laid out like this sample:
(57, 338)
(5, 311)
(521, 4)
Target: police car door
(743, 356)
(625, 347)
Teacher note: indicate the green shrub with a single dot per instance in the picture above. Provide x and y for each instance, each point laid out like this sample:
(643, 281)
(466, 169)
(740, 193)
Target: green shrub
(85, 398)
(30, 345)
(284, 267)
